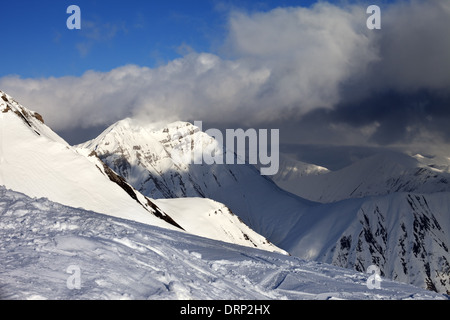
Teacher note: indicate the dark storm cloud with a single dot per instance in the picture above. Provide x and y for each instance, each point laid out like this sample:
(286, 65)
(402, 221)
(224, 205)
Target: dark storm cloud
(403, 96)
(398, 117)
(415, 46)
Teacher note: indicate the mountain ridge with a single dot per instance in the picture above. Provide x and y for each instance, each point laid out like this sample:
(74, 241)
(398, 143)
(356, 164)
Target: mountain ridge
(290, 222)
(37, 162)
(405, 235)
(399, 231)
(144, 158)
(379, 174)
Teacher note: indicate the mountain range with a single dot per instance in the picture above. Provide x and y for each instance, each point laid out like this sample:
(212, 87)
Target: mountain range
(37, 162)
(400, 214)
(391, 210)
(383, 173)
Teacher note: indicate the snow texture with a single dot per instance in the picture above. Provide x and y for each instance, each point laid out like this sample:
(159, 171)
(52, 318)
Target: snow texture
(35, 161)
(133, 246)
(402, 231)
(42, 243)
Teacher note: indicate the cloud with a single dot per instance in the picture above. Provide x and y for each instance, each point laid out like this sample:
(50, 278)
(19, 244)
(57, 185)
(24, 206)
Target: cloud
(406, 93)
(287, 58)
(317, 71)
(194, 87)
(310, 52)
(415, 46)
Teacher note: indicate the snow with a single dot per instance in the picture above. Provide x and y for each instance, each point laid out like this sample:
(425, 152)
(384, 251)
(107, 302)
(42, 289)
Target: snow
(43, 165)
(309, 230)
(405, 235)
(292, 171)
(37, 165)
(125, 251)
(379, 174)
(213, 220)
(41, 242)
(144, 156)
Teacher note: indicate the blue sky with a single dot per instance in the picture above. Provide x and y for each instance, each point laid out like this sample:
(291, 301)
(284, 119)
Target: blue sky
(113, 33)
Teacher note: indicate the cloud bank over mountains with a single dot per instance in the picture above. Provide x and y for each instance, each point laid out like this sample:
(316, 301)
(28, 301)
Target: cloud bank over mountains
(318, 72)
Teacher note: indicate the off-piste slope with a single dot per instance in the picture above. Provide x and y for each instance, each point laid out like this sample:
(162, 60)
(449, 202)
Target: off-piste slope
(50, 251)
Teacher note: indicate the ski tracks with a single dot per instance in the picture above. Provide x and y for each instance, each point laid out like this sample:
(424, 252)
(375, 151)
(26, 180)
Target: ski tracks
(41, 243)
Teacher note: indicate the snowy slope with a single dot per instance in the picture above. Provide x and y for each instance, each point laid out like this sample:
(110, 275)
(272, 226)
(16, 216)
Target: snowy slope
(213, 220)
(143, 154)
(146, 156)
(292, 170)
(406, 235)
(37, 162)
(380, 174)
(43, 245)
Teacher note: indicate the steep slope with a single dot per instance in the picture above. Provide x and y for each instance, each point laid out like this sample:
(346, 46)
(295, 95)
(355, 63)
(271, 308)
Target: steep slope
(36, 161)
(380, 174)
(213, 220)
(49, 251)
(148, 157)
(406, 235)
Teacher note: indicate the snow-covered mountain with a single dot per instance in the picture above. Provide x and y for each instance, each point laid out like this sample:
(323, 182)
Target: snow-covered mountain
(397, 217)
(380, 174)
(349, 233)
(406, 235)
(50, 251)
(292, 170)
(147, 156)
(213, 220)
(36, 161)
(404, 230)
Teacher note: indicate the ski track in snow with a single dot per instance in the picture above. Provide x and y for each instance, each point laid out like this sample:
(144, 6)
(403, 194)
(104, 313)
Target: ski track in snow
(121, 259)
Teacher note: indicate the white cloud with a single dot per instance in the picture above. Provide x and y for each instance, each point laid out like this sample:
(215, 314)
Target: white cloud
(286, 59)
(309, 51)
(194, 87)
(95, 32)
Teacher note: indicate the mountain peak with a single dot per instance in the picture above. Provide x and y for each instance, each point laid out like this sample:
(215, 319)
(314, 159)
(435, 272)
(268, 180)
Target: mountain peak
(7, 104)
(36, 161)
(136, 124)
(136, 132)
(11, 109)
